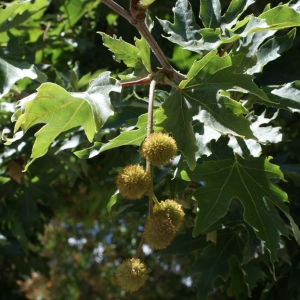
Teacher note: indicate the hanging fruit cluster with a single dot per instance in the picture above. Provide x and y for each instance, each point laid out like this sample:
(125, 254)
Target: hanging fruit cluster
(166, 217)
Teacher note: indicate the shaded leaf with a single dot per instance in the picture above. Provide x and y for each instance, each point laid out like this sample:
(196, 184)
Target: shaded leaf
(214, 260)
(236, 285)
(252, 272)
(249, 181)
(264, 135)
(184, 31)
(235, 9)
(271, 50)
(185, 243)
(286, 96)
(210, 13)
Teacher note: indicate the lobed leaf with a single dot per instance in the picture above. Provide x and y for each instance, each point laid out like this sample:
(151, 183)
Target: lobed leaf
(201, 97)
(61, 111)
(249, 181)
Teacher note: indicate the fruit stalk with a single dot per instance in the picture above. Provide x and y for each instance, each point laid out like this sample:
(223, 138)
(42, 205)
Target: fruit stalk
(149, 131)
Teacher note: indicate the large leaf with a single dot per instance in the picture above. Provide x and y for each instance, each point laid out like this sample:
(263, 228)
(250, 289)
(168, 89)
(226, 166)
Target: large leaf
(202, 97)
(61, 111)
(249, 181)
(11, 71)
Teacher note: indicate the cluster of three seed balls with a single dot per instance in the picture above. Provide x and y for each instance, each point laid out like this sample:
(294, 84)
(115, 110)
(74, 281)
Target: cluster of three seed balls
(133, 183)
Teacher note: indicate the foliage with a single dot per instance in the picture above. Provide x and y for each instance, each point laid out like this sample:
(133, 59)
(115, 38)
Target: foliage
(231, 100)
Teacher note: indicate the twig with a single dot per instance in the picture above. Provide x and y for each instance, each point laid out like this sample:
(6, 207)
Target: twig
(138, 250)
(226, 48)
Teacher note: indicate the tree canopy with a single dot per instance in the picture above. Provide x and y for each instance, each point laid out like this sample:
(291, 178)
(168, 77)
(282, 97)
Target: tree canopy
(84, 83)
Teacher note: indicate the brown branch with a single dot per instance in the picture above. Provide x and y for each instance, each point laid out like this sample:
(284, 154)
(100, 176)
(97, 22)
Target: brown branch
(226, 48)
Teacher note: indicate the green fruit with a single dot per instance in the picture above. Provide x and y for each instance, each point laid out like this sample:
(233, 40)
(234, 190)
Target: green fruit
(159, 232)
(131, 274)
(133, 182)
(159, 148)
(170, 209)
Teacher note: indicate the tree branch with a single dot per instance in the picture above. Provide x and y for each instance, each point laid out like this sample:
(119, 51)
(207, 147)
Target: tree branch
(137, 19)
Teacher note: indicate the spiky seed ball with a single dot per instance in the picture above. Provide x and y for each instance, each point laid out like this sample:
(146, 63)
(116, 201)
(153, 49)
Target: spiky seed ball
(171, 209)
(131, 274)
(159, 148)
(133, 182)
(159, 232)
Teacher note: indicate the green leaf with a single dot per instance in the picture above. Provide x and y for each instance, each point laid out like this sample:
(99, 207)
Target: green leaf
(74, 10)
(4, 180)
(235, 9)
(281, 17)
(249, 181)
(271, 50)
(252, 272)
(185, 243)
(11, 71)
(286, 96)
(144, 53)
(264, 135)
(132, 56)
(236, 285)
(61, 111)
(112, 201)
(184, 31)
(201, 97)
(123, 51)
(89, 152)
(210, 13)
(203, 139)
(133, 137)
(17, 12)
(213, 261)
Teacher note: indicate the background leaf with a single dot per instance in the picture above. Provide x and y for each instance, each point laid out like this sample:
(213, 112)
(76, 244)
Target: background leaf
(11, 71)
